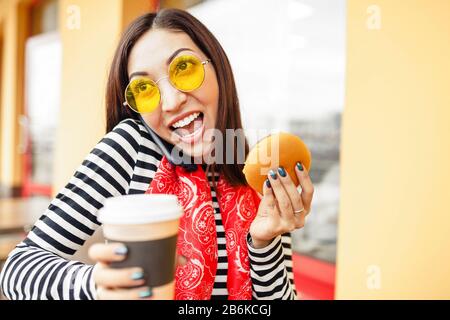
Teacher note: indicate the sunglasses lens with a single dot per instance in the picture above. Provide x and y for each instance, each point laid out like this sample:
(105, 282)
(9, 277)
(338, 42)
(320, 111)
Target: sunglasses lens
(143, 95)
(186, 73)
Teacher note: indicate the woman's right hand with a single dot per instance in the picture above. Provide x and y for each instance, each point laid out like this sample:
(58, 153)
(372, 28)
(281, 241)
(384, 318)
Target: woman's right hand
(117, 284)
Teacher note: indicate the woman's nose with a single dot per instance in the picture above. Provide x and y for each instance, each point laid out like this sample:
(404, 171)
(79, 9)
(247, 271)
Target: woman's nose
(171, 98)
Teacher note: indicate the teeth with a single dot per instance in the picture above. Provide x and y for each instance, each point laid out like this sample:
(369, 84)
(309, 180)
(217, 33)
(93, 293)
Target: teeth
(186, 121)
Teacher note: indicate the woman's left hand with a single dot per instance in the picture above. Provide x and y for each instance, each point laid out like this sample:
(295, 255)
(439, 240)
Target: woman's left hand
(282, 209)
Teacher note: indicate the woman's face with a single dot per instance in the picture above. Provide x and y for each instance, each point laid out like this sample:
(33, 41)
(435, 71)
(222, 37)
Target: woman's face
(150, 57)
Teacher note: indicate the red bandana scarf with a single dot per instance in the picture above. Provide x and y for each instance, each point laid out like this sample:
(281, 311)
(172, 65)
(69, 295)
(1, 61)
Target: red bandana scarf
(197, 239)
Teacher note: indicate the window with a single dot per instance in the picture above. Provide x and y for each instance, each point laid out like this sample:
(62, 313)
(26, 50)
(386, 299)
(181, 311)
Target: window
(288, 59)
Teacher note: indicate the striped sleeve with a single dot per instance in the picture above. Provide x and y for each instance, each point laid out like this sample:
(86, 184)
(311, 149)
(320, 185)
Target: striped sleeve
(271, 270)
(39, 267)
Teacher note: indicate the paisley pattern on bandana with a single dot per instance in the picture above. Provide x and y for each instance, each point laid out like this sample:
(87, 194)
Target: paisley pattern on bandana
(197, 238)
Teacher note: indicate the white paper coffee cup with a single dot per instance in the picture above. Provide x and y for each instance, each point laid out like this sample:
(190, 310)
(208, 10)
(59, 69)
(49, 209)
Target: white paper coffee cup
(148, 225)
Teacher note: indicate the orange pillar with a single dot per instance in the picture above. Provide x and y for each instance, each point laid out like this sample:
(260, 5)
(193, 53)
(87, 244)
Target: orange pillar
(394, 217)
(90, 31)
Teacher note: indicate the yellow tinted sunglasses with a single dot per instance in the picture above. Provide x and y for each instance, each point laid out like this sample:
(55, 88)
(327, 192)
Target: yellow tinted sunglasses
(186, 73)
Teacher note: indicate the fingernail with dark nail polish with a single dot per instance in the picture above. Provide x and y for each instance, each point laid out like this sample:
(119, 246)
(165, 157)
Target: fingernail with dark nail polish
(138, 275)
(121, 251)
(146, 293)
(282, 172)
(273, 174)
(299, 166)
(268, 185)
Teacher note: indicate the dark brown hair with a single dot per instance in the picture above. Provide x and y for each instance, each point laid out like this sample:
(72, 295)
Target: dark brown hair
(228, 116)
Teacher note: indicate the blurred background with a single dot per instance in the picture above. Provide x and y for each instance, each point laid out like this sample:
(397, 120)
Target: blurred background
(297, 63)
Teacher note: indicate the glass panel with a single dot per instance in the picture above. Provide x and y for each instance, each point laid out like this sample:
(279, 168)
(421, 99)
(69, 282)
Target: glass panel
(43, 74)
(44, 17)
(288, 59)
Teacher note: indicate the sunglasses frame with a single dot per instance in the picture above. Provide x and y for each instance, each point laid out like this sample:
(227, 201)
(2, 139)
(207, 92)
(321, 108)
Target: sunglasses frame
(203, 63)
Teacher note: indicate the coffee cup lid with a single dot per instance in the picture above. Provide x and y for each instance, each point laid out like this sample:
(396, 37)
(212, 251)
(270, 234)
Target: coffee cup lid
(139, 209)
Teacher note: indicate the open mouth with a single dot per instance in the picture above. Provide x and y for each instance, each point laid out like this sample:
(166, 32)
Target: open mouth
(190, 128)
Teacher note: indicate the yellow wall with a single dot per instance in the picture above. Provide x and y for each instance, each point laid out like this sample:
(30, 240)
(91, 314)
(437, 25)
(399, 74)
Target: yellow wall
(394, 226)
(87, 54)
(14, 19)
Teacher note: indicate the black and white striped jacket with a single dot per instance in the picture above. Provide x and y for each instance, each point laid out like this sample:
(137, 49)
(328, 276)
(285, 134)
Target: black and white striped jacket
(123, 162)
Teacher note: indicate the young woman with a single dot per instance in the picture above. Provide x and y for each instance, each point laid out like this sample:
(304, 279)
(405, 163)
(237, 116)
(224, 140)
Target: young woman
(177, 81)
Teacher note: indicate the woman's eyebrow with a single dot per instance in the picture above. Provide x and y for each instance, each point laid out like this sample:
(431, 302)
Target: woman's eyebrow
(175, 53)
(143, 73)
(138, 73)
